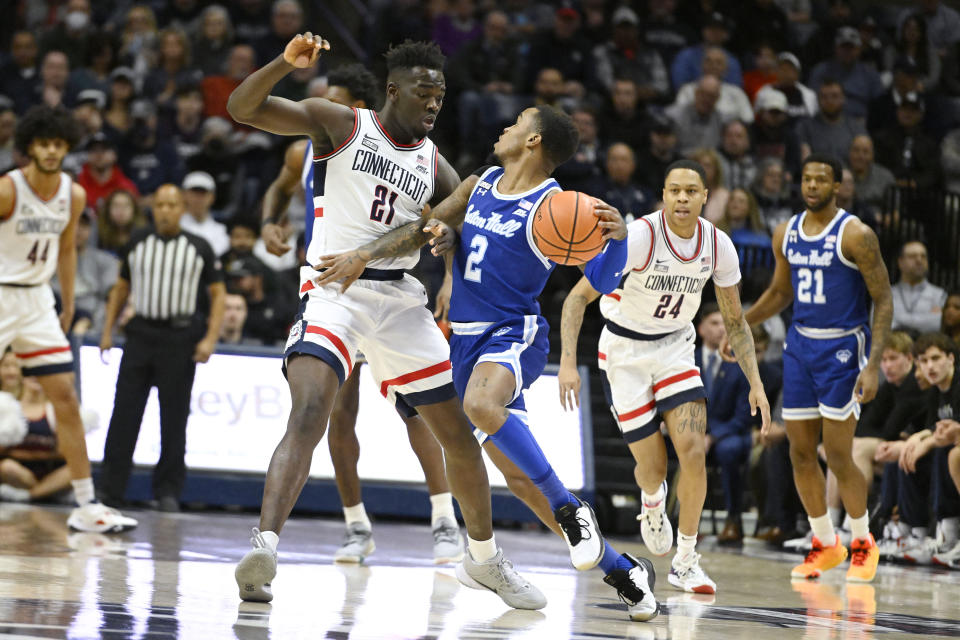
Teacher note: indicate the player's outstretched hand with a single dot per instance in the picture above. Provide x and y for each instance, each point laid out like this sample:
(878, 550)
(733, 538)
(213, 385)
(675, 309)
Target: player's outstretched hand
(441, 306)
(341, 266)
(614, 228)
(569, 379)
(444, 237)
(866, 387)
(275, 239)
(304, 49)
(758, 401)
(726, 351)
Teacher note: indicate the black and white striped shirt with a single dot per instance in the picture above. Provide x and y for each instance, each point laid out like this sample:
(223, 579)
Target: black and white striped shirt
(169, 275)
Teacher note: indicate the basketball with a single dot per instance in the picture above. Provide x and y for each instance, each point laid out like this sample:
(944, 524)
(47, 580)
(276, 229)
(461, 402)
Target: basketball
(566, 229)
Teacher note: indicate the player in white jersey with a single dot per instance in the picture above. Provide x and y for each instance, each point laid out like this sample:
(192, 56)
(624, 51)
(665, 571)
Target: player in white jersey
(647, 354)
(380, 173)
(39, 209)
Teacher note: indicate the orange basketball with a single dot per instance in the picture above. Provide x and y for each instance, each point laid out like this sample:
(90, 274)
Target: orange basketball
(565, 228)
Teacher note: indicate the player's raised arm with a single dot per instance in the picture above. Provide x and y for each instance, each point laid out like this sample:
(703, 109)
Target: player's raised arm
(252, 104)
(571, 320)
(861, 244)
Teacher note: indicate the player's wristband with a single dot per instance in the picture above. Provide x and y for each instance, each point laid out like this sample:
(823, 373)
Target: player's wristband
(605, 270)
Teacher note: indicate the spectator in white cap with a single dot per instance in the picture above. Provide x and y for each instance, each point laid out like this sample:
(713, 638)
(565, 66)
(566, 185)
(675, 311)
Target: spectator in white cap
(861, 83)
(801, 99)
(771, 133)
(199, 192)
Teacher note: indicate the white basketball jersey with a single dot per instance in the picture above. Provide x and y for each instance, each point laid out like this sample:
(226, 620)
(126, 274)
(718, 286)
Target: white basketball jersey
(366, 187)
(30, 237)
(661, 292)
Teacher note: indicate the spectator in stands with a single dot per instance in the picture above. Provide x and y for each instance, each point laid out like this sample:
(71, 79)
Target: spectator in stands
(220, 156)
(664, 31)
(772, 134)
(861, 84)
(871, 180)
(71, 34)
(595, 27)
(759, 18)
(883, 110)
(549, 89)
(914, 47)
(95, 70)
(942, 23)
(96, 274)
(741, 220)
(173, 68)
(234, 319)
(772, 192)
(847, 200)
(267, 317)
(715, 33)
(729, 423)
(950, 321)
(394, 21)
(117, 218)
(54, 88)
(738, 164)
(912, 155)
(831, 130)
(733, 103)
(212, 43)
(185, 131)
(199, 194)
(122, 94)
(563, 49)
(624, 56)
(801, 100)
(485, 74)
(718, 194)
(243, 238)
(18, 75)
(624, 118)
(660, 152)
(917, 304)
(286, 21)
(699, 124)
(8, 124)
(582, 172)
(620, 190)
(454, 27)
(138, 39)
(147, 159)
(251, 20)
(88, 113)
(217, 89)
(100, 175)
(764, 70)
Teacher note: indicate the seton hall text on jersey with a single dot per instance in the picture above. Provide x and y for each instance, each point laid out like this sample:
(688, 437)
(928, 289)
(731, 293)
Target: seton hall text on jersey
(815, 258)
(389, 171)
(41, 225)
(494, 223)
(675, 284)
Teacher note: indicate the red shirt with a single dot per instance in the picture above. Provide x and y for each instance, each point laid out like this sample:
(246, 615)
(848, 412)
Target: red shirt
(97, 192)
(755, 80)
(216, 91)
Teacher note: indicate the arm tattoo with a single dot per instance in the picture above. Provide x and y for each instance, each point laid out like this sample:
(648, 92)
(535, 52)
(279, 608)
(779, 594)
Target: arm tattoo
(401, 241)
(738, 332)
(570, 322)
(875, 276)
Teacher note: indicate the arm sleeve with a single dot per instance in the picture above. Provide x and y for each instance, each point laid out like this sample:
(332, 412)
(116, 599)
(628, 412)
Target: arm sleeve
(727, 271)
(605, 270)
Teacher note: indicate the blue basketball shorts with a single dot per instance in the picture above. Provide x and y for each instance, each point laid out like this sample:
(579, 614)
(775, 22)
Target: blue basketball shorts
(820, 369)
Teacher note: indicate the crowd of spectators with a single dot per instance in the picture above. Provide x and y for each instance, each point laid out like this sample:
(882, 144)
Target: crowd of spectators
(747, 88)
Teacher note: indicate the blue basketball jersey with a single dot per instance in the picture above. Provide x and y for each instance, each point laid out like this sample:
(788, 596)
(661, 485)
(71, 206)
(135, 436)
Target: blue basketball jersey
(306, 181)
(828, 290)
(498, 269)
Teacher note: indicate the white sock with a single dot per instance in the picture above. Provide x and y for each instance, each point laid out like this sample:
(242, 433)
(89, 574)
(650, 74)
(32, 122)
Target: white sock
(270, 539)
(951, 530)
(482, 550)
(836, 515)
(847, 523)
(655, 499)
(685, 544)
(441, 506)
(860, 527)
(83, 490)
(822, 528)
(357, 515)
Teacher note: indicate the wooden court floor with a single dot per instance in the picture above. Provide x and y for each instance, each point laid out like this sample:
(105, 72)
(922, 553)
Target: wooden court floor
(173, 578)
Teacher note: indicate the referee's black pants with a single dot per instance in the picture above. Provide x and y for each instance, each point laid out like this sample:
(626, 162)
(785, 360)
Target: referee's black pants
(150, 361)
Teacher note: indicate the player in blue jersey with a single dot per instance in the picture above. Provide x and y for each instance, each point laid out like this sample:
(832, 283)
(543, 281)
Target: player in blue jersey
(829, 264)
(500, 344)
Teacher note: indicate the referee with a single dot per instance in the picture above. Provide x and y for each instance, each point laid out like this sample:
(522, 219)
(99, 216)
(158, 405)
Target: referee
(178, 299)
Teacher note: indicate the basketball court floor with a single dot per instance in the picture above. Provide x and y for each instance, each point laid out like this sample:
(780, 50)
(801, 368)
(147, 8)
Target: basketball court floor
(173, 578)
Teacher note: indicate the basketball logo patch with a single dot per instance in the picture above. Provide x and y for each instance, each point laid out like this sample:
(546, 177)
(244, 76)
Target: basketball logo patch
(844, 355)
(295, 332)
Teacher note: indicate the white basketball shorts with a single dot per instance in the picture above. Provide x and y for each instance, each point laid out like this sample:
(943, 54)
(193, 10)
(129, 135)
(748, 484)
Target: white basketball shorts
(30, 325)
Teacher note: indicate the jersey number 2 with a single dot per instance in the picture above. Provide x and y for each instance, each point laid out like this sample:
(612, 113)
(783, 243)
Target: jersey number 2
(383, 200)
(36, 254)
(810, 281)
(479, 247)
(665, 300)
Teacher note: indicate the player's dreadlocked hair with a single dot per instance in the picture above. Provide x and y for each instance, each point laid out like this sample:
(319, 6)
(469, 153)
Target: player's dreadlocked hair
(412, 54)
(42, 122)
(559, 137)
(359, 81)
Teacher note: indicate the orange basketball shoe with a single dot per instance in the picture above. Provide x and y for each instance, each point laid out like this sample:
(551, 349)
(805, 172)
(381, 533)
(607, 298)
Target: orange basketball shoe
(821, 558)
(864, 556)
